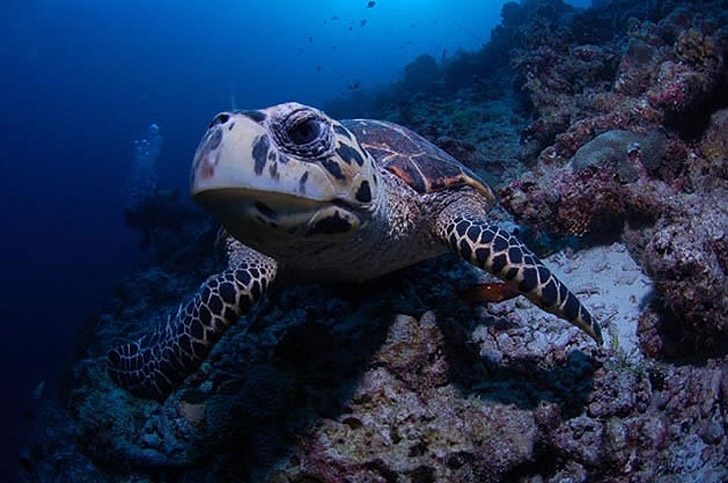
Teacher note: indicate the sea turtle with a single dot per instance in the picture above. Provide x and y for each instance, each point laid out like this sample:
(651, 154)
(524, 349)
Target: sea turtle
(307, 198)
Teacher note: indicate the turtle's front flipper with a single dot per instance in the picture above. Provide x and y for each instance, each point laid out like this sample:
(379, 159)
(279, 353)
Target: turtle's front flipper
(153, 366)
(500, 253)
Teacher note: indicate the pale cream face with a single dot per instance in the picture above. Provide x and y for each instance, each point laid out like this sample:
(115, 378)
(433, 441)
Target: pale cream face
(287, 170)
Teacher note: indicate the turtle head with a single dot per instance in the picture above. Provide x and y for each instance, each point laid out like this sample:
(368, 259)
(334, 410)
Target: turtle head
(287, 171)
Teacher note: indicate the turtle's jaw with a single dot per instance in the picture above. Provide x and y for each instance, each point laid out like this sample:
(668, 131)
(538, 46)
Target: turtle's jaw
(261, 218)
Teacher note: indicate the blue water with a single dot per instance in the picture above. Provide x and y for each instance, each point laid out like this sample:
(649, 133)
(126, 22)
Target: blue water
(80, 80)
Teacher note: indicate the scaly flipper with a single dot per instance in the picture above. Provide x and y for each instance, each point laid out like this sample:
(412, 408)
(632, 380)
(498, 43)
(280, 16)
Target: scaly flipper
(500, 253)
(153, 366)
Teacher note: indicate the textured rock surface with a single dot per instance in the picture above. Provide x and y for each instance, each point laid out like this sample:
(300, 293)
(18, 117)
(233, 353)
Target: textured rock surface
(329, 386)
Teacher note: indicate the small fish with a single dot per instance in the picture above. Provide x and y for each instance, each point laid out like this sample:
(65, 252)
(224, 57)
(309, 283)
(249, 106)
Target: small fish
(363, 22)
(488, 292)
(371, 3)
(354, 85)
(310, 39)
(318, 68)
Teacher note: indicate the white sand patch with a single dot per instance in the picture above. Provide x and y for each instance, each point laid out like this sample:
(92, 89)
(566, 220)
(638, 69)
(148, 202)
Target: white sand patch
(612, 286)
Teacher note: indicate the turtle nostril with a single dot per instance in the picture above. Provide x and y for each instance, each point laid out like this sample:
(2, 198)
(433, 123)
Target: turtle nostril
(221, 118)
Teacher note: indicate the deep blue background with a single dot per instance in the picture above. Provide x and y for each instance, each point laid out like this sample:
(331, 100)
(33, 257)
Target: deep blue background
(80, 80)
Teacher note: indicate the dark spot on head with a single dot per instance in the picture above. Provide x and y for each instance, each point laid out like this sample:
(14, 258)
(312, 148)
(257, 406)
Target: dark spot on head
(364, 194)
(330, 225)
(342, 131)
(302, 182)
(231, 126)
(360, 146)
(260, 153)
(221, 118)
(349, 154)
(266, 210)
(214, 140)
(273, 170)
(333, 168)
(256, 116)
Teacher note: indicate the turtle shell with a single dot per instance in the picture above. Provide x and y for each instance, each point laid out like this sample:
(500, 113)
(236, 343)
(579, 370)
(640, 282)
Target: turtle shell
(419, 163)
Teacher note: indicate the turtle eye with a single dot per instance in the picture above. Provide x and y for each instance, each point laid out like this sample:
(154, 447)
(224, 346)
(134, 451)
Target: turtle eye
(304, 132)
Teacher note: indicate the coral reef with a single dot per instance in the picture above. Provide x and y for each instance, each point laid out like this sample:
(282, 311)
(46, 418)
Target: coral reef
(622, 155)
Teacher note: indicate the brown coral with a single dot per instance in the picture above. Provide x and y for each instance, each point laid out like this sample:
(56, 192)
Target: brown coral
(714, 144)
(697, 49)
